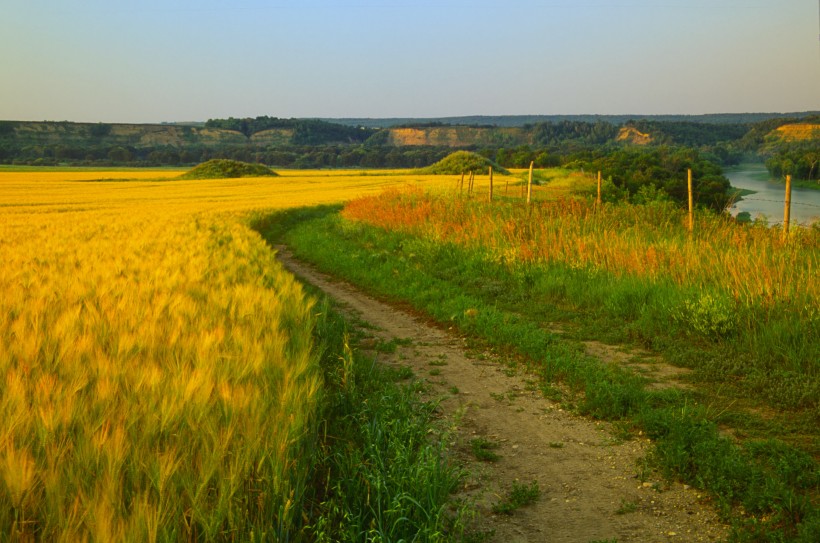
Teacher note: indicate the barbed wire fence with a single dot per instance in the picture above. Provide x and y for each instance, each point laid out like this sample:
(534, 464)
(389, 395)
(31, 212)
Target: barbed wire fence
(529, 185)
(788, 203)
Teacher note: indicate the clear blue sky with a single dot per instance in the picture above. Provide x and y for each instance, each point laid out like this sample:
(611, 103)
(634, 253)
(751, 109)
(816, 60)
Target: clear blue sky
(179, 60)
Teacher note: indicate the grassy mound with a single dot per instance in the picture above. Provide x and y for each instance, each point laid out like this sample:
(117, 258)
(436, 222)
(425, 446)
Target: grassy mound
(463, 162)
(223, 168)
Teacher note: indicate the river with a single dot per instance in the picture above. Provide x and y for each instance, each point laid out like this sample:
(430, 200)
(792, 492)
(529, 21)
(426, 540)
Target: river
(770, 195)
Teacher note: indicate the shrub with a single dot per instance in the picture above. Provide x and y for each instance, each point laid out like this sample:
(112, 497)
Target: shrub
(713, 317)
(463, 162)
(228, 169)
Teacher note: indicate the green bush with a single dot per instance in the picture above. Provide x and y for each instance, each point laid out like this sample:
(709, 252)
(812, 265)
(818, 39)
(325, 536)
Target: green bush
(228, 169)
(710, 316)
(463, 162)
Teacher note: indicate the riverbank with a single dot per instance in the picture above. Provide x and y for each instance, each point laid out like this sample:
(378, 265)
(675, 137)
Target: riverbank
(763, 198)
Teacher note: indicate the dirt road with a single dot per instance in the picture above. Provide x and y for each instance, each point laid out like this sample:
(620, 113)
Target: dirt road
(594, 487)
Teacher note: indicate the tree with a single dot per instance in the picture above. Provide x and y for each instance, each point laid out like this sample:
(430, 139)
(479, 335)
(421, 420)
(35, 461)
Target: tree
(120, 154)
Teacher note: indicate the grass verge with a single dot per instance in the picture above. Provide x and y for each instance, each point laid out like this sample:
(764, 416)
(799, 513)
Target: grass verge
(381, 472)
(766, 487)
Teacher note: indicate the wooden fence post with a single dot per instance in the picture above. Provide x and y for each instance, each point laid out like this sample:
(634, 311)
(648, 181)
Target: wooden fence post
(461, 185)
(472, 179)
(598, 201)
(691, 205)
(529, 185)
(491, 184)
(787, 207)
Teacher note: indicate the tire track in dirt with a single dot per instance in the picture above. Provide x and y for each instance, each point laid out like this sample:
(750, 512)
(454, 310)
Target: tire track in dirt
(592, 485)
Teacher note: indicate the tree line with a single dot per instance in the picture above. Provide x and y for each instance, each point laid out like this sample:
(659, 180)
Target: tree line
(281, 156)
(305, 131)
(640, 172)
(801, 161)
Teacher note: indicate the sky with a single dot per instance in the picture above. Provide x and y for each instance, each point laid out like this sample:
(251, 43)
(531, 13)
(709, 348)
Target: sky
(147, 61)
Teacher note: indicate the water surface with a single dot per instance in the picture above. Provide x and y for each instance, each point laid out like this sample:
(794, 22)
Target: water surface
(768, 199)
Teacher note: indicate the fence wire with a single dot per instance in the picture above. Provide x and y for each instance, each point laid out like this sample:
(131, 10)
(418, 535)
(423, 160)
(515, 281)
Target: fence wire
(779, 202)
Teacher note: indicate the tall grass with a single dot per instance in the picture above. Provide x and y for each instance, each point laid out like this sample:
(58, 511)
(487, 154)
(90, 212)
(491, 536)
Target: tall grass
(388, 475)
(748, 262)
(759, 479)
(734, 284)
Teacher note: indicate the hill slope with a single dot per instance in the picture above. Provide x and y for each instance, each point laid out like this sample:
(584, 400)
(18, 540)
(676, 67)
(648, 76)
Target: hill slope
(133, 135)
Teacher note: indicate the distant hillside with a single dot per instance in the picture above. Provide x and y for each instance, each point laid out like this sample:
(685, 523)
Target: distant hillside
(794, 149)
(315, 143)
(523, 120)
(298, 131)
(797, 132)
(216, 132)
(460, 136)
(133, 135)
(633, 135)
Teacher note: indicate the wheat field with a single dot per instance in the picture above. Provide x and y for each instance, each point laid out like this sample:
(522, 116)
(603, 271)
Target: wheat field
(158, 380)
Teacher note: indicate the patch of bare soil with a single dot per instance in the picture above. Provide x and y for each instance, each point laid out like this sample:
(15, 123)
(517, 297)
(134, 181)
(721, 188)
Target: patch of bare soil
(594, 487)
(659, 374)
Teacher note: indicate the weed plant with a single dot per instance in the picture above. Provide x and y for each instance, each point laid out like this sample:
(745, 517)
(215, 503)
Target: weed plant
(385, 478)
(519, 496)
(484, 449)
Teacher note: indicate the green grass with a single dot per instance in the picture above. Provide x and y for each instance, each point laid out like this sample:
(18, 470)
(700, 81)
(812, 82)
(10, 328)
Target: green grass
(484, 449)
(381, 471)
(519, 495)
(626, 507)
(812, 184)
(392, 345)
(382, 477)
(505, 307)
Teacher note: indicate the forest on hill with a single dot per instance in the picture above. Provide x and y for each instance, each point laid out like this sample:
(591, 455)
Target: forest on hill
(522, 120)
(786, 144)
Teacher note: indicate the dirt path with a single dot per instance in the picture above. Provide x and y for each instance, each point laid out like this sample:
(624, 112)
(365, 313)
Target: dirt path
(593, 488)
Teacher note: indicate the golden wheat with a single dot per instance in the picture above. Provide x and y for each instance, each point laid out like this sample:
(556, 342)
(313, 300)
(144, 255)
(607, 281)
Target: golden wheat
(158, 375)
